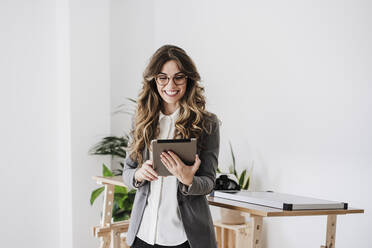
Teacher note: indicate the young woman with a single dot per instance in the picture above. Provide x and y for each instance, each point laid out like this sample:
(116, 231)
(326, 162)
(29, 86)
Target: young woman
(172, 211)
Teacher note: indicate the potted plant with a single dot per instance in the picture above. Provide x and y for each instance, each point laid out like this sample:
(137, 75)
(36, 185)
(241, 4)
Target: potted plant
(115, 147)
(229, 216)
(123, 199)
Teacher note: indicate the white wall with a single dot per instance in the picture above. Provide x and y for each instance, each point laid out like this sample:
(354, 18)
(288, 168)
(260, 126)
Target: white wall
(296, 87)
(55, 104)
(90, 110)
(132, 40)
(29, 100)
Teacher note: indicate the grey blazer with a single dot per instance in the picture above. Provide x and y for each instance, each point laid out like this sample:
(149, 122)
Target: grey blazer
(193, 205)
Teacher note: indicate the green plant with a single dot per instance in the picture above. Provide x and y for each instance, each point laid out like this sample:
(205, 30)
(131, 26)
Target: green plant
(123, 199)
(244, 177)
(116, 147)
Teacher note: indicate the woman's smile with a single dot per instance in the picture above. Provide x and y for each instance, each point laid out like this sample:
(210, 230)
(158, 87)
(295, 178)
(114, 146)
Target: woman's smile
(171, 93)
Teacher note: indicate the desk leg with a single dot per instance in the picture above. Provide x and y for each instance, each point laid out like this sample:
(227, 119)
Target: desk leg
(218, 236)
(107, 214)
(105, 242)
(225, 238)
(331, 231)
(256, 227)
(116, 238)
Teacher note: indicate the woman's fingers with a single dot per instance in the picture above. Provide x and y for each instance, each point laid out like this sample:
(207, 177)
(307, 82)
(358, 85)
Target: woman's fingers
(147, 172)
(167, 159)
(150, 170)
(151, 174)
(174, 157)
(170, 168)
(146, 175)
(197, 163)
(168, 165)
(165, 164)
(197, 159)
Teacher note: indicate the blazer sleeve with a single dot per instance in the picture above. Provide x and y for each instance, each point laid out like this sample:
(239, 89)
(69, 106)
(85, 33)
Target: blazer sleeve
(205, 178)
(130, 168)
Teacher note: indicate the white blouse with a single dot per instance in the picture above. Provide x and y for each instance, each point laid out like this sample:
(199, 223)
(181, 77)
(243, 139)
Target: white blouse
(161, 222)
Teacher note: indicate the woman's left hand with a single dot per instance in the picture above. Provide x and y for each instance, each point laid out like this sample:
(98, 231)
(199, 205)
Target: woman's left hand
(183, 172)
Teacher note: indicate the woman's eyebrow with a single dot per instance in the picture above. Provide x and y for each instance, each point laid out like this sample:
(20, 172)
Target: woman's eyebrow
(174, 73)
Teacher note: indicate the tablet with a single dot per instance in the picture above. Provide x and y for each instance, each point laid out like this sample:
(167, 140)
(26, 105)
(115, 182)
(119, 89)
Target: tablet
(184, 148)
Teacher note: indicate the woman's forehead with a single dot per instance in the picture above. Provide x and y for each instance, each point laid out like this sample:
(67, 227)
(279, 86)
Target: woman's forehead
(170, 67)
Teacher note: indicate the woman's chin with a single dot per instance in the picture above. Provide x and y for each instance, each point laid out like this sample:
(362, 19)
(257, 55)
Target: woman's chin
(169, 99)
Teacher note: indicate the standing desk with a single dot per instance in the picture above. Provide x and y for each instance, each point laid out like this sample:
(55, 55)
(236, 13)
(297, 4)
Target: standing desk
(257, 213)
(108, 230)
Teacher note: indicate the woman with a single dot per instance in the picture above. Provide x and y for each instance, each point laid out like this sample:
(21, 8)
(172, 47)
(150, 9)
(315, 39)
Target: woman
(172, 211)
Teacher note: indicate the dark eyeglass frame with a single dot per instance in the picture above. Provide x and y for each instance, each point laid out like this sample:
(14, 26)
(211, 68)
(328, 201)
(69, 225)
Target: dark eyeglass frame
(168, 78)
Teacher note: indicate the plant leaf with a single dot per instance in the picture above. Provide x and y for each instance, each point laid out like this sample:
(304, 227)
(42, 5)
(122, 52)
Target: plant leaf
(111, 145)
(233, 158)
(106, 172)
(248, 180)
(246, 185)
(95, 194)
(132, 100)
(236, 174)
(118, 172)
(242, 178)
(119, 196)
(127, 204)
(120, 189)
(121, 201)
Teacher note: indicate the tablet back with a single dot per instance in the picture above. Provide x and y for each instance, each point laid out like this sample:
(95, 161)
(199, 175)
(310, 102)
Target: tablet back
(184, 148)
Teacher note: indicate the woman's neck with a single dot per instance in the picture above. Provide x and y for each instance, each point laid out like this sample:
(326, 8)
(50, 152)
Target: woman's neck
(169, 108)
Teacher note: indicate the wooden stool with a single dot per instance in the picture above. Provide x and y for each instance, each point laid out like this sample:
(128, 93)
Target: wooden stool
(232, 236)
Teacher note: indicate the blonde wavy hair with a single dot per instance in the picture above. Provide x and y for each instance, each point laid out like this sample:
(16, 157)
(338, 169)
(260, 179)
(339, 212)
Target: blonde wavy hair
(192, 119)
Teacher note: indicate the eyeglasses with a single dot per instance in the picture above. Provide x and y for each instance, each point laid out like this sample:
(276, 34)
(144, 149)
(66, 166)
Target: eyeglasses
(178, 79)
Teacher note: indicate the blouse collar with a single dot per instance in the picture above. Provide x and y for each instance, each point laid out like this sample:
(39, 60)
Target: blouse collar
(174, 115)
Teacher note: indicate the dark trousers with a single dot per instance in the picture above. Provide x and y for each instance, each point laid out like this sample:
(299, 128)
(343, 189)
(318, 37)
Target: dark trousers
(139, 243)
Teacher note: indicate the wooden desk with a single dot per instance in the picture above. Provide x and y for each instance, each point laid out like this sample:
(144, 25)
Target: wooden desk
(257, 213)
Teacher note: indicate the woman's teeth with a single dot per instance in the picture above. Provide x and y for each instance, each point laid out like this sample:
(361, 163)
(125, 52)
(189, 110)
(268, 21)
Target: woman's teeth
(171, 92)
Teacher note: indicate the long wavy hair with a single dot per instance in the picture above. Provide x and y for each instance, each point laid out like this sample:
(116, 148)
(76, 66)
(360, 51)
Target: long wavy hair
(192, 119)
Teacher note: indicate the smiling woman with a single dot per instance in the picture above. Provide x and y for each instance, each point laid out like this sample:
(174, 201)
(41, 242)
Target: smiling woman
(172, 211)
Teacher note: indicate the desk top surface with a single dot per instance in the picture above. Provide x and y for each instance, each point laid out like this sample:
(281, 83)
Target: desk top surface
(247, 207)
(268, 211)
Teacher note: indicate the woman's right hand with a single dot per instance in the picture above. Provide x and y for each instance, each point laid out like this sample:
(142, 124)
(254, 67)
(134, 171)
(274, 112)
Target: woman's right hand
(146, 172)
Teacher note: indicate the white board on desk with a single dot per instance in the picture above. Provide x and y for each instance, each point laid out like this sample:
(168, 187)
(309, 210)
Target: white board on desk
(280, 200)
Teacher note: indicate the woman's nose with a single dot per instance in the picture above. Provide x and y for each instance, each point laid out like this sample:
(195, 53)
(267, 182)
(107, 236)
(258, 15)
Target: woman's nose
(171, 81)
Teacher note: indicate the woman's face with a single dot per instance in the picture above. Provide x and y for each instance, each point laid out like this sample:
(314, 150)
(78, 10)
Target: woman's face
(170, 92)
